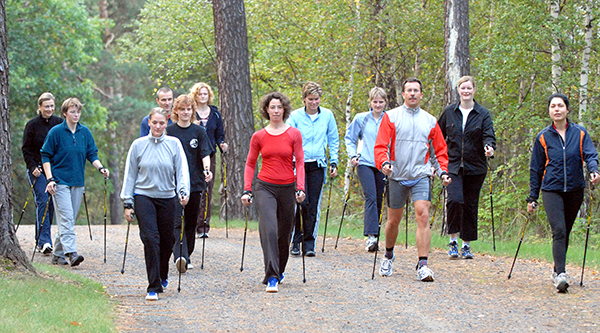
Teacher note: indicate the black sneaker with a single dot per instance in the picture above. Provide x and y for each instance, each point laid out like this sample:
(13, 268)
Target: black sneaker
(75, 259)
(311, 253)
(295, 249)
(56, 260)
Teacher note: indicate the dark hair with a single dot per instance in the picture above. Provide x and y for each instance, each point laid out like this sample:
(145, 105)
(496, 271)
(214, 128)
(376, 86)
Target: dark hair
(561, 96)
(266, 99)
(412, 79)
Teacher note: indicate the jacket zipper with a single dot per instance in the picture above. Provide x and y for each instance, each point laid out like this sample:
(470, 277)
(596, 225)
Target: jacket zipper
(562, 142)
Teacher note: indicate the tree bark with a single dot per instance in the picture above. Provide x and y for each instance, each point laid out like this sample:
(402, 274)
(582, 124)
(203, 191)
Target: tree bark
(9, 244)
(585, 66)
(456, 46)
(556, 56)
(235, 94)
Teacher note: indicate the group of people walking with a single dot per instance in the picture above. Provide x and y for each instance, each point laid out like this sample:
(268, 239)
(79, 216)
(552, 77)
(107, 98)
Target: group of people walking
(169, 174)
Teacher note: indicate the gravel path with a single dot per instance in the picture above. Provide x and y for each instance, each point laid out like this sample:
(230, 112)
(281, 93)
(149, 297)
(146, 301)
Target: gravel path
(339, 295)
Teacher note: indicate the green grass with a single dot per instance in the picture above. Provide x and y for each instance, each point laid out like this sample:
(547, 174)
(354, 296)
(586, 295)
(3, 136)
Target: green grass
(531, 248)
(57, 301)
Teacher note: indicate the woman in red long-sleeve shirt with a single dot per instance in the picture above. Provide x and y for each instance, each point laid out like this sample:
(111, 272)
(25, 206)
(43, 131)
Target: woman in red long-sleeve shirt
(276, 187)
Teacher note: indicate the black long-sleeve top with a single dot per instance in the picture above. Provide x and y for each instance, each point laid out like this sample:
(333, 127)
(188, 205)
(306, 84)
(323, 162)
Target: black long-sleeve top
(33, 139)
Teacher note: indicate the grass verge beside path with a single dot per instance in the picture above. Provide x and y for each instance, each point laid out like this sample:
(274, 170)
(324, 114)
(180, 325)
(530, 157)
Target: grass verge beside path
(56, 301)
(531, 248)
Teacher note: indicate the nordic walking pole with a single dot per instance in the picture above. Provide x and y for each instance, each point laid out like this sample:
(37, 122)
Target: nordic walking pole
(345, 205)
(385, 189)
(225, 189)
(327, 214)
(204, 238)
(491, 204)
(444, 212)
(406, 211)
(37, 239)
(25, 205)
(587, 234)
(105, 219)
(244, 243)
(181, 246)
(303, 234)
(126, 241)
(87, 214)
(521, 241)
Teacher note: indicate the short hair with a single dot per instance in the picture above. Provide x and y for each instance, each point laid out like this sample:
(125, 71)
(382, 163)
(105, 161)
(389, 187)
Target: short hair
(561, 96)
(466, 78)
(159, 111)
(44, 98)
(266, 100)
(195, 92)
(183, 100)
(311, 88)
(412, 79)
(69, 102)
(163, 90)
(377, 92)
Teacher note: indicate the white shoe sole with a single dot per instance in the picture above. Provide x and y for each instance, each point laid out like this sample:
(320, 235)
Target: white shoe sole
(181, 265)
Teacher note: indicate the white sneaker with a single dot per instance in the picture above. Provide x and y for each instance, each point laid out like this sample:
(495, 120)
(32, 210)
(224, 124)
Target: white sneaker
(371, 244)
(181, 265)
(561, 282)
(386, 266)
(47, 249)
(152, 296)
(190, 266)
(425, 274)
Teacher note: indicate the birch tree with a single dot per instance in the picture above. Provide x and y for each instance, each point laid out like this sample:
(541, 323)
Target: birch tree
(456, 46)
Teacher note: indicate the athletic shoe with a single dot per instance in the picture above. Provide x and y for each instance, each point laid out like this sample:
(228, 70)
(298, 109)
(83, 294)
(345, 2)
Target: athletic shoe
(386, 266)
(453, 252)
(281, 278)
(204, 235)
(295, 249)
(47, 249)
(164, 283)
(272, 285)
(561, 282)
(190, 266)
(181, 265)
(56, 260)
(465, 252)
(75, 259)
(200, 235)
(152, 296)
(372, 245)
(425, 274)
(311, 253)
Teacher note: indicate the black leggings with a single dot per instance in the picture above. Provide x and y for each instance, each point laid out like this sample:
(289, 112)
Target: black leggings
(192, 210)
(561, 209)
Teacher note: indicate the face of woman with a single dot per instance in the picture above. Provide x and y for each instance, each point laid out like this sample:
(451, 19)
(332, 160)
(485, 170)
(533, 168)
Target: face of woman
(184, 113)
(157, 123)
(47, 108)
(203, 96)
(275, 110)
(312, 103)
(558, 109)
(72, 115)
(466, 91)
(378, 104)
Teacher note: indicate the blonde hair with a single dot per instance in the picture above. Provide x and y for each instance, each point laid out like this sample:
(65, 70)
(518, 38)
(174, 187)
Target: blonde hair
(195, 93)
(377, 92)
(69, 102)
(44, 98)
(466, 78)
(182, 101)
(311, 88)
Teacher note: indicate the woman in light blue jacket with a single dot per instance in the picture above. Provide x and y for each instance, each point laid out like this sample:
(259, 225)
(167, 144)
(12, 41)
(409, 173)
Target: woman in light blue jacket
(364, 128)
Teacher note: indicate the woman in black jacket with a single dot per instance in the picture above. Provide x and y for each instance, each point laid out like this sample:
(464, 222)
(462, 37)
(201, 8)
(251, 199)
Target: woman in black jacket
(469, 132)
(556, 168)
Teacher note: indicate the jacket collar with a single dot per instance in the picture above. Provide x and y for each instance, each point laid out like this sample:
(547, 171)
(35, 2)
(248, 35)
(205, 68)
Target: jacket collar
(157, 140)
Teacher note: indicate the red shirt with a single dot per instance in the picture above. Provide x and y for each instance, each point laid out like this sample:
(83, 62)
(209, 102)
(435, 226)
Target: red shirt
(278, 153)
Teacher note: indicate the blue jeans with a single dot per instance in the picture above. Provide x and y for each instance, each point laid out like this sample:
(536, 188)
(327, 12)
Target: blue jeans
(41, 199)
(372, 183)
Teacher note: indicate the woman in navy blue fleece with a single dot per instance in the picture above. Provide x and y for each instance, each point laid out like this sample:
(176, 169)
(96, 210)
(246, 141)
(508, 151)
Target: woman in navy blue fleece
(556, 168)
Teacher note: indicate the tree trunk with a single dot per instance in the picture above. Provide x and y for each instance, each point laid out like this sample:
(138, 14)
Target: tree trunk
(585, 67)
(235, 94)
(9, 244)
(556, 56)
(456, 46)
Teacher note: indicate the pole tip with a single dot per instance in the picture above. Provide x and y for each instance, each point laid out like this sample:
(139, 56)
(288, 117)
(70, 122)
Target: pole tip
(241, 269)
(122, 271)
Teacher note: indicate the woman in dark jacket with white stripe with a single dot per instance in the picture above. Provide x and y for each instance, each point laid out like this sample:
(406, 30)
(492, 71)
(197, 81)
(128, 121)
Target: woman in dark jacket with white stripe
(556, 168)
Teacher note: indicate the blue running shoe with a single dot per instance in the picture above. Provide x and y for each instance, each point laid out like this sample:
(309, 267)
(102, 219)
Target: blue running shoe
(272, 285)
(164, 283)
(281, 278)
(152, 296)
(453, 252)
(465, 252)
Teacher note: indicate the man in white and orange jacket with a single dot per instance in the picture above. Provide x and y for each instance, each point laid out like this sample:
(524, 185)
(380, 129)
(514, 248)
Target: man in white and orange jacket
(406, 138)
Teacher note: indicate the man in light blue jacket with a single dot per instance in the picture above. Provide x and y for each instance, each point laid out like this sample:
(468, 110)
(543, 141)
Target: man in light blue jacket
(319, 130)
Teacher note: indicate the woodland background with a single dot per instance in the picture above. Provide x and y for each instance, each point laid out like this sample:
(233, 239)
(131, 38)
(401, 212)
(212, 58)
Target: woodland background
(115, 54)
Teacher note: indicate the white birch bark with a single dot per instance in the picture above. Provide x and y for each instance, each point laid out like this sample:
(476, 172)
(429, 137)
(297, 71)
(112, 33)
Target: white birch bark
(555, 50)
(585, 67)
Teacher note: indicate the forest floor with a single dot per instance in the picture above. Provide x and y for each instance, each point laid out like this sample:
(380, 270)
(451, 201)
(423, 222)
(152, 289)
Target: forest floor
(339, 294)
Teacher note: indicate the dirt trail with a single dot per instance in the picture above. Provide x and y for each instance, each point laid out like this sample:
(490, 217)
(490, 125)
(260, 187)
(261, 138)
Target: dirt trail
(339, 295)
